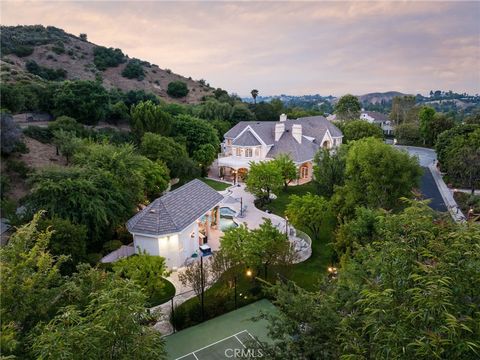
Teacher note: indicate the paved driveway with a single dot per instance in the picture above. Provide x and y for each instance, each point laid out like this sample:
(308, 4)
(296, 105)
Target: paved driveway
(428, 186)
(425, 156)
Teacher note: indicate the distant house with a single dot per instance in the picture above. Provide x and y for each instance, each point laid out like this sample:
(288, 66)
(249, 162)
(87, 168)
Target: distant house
(251, 141)
(177, 224)
(379, 119)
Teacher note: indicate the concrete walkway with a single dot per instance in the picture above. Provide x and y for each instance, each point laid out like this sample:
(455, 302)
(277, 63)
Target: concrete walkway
(447, 194)
(252, 218)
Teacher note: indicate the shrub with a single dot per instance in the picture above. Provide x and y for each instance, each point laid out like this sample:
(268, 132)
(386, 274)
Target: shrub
(44, 72)
(23, 50)
(133, 70)
(10, 134)
(177, 89)
(44, 135)
(111, 245)
(18, 167)
(408, 134)
(107, 57)
(4, 185)
(58, 48)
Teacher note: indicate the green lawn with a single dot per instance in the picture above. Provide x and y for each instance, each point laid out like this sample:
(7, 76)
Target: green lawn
(217, 185)
(279, 205)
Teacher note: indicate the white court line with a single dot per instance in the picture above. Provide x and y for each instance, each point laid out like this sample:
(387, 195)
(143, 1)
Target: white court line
(216, 342)
(240, 341)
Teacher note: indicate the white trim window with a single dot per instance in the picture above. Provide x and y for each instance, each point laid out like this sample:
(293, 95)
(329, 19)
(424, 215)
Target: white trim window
(248, 152)
(257, 152)
(238, 152)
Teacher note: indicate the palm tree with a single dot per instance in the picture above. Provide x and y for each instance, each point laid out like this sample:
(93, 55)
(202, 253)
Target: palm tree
(254, 93)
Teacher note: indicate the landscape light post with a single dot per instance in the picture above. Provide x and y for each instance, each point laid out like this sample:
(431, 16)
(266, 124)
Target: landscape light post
(235, 290)
(286, 226)
(203, 287)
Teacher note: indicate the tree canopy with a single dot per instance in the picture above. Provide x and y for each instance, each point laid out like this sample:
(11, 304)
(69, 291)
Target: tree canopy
(264, 177)
(377, 176)
(194, 132)
(329, 170)
(408, 293)
(177, 89)
(308, 212)
(348, 107)
(86, 101)
(146, 116)
(359, 129)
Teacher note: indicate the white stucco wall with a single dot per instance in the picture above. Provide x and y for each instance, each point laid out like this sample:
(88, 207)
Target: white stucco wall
(175, 248)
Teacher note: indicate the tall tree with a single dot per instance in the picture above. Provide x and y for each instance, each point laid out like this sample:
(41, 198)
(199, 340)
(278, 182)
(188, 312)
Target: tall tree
(402, 108)
(287, 168)
(146, 116)
(264, 178)
(308, 212)
(31, 283)
(194, 132)
(329, 170)
(260, 248)
(376, 176)
(114, 324)
(254, 93)
(359, 129)
(90, 197)
(161, 148)
(426, 117)
(86, 101)
(348, 107)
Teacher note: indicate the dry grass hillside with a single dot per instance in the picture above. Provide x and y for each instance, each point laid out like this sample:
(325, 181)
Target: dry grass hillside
(55, 49)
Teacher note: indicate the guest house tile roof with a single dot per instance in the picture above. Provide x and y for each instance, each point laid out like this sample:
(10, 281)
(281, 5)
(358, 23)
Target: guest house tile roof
(174, 211)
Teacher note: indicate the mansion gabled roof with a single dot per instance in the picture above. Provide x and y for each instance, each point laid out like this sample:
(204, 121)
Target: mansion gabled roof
(174, 211)
(246, 139)
(313, 129)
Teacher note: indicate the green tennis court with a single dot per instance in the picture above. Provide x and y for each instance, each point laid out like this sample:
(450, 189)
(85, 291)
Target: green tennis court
(230, 336)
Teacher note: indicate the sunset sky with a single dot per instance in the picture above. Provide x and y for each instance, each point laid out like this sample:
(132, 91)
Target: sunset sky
(284, 47)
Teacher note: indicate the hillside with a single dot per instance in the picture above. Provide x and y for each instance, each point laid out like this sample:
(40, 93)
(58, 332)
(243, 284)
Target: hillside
(378, 97)
(74, 57)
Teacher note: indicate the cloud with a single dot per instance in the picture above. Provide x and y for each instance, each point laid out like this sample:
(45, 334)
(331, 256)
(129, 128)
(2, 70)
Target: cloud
(284, 47)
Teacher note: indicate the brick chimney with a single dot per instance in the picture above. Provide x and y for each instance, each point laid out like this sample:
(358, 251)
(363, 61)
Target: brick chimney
(297, 132)
(279, 130)
(283, 117)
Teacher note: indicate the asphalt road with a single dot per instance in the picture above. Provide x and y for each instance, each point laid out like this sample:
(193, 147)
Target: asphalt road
(428, 187)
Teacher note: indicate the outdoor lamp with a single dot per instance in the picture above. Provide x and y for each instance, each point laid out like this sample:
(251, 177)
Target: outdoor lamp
(249, 272)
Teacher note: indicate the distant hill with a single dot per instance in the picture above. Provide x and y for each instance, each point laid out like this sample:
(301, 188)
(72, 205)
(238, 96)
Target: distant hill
(64, 55)
(378, 97)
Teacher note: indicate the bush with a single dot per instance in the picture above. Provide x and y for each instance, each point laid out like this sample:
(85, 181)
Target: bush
(177, 89)
(4, 185)
(133, 70)
(408, 134)
(44, 72)
(111, 245)
(10, 134)
(17, 166)
(23, 50)
(44, 135)
(58, 48)
(107, 57)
